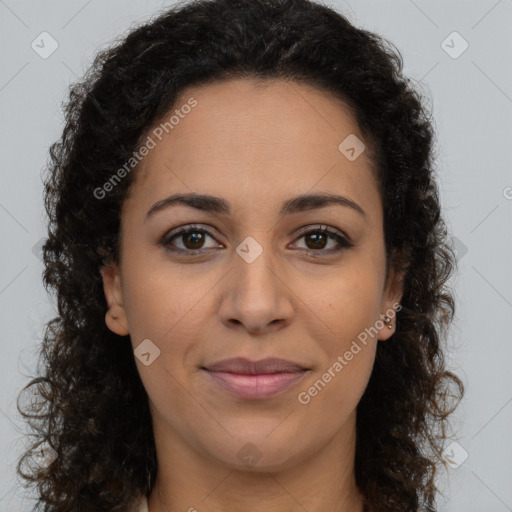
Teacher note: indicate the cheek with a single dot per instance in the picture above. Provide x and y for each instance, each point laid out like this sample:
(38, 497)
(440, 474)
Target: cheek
(162, 306)
(331, 397)
(150, 308)
(157, 301)
(348, 339)
(334, 392)
(349, 304)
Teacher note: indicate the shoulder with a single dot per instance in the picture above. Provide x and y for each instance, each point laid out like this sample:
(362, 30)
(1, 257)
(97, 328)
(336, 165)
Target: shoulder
(140, 504)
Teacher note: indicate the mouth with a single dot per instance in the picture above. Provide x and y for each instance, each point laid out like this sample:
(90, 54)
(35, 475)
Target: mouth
(252, 380)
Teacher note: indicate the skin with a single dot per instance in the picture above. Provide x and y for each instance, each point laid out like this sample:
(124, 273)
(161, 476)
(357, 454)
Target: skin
(255, 145)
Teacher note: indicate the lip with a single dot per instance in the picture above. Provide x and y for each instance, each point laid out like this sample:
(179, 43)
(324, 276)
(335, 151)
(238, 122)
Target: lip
(253, 380)
(242, 365)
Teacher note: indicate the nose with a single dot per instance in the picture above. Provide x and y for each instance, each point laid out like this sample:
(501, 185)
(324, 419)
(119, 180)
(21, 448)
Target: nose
(256, 295)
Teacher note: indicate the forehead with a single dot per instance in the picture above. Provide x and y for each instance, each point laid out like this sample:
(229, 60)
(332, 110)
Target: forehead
(241, 136)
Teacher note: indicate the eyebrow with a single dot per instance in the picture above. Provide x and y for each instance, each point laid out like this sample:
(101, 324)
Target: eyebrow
(217, 205)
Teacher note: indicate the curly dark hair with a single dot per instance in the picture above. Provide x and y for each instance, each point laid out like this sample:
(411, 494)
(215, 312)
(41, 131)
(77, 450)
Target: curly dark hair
(92, 408)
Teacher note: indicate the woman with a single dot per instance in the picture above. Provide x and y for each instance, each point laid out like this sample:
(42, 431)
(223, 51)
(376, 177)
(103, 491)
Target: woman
(247, 249)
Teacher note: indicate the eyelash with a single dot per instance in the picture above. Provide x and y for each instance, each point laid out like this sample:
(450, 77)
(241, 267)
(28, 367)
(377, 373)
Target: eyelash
(344, 242)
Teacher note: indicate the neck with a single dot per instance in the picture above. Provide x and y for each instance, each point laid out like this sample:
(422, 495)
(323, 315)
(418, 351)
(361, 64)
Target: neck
(321, 481)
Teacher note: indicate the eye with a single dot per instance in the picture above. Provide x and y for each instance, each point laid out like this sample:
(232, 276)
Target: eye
(319, 236)
(193, 237)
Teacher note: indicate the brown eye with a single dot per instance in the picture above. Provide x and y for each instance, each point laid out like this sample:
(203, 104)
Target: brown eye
(317, 239)
(192, 239)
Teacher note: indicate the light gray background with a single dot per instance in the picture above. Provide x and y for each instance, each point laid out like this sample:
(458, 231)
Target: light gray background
(471, 98)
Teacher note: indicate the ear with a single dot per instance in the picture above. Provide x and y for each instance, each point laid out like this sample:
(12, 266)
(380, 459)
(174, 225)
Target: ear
(391, 302)
(114, 297)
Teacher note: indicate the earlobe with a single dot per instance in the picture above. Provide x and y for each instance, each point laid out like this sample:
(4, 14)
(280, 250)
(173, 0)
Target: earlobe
(391, 305)
(115, 317)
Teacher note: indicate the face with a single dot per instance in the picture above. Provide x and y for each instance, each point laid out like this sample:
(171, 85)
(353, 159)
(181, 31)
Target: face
(256, 276)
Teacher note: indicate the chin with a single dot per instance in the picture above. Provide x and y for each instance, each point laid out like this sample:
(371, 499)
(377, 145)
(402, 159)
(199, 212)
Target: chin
(260, 454)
